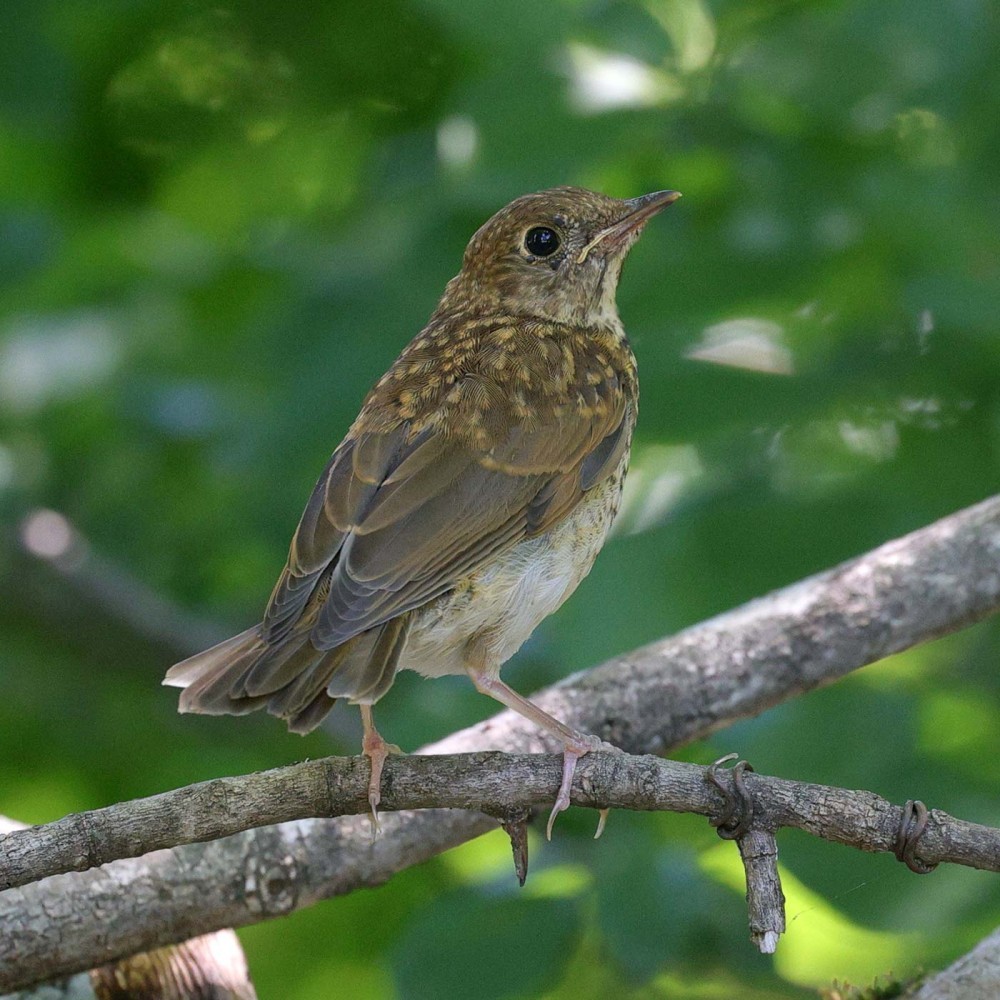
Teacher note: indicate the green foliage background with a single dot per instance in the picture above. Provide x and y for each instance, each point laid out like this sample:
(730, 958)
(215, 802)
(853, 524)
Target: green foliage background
(219, 224)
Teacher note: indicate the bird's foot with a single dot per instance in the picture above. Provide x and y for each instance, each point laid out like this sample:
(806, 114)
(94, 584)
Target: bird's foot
(576, 748)
(377, 751)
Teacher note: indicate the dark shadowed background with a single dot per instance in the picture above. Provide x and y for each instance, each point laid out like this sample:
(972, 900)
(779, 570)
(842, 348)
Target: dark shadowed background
(220, 223)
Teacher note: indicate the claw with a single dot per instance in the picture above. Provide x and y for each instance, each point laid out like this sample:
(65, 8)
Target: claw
(377, 751)
(601, 822)
(575, 745)
(571, 755)
(579, 747)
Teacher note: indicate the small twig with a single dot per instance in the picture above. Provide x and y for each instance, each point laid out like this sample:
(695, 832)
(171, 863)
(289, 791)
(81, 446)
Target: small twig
(765, 900)
(515, 825)
(736, 816)
(758, 848)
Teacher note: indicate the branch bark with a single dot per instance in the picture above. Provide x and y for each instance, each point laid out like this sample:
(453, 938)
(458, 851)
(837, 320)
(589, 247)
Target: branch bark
(497, 784)
(211, 965)
(933, 581)
(976, 974)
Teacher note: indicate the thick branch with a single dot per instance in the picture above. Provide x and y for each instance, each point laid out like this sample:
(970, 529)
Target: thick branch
(915, 588)
(210, 967)
(976, 974)
(213, 964)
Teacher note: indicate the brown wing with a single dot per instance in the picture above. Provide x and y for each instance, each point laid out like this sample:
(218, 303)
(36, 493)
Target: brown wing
(341, 495)
(398, 518)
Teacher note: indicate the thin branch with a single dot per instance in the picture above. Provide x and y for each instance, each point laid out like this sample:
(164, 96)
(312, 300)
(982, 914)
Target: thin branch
(915, 588)
(490, 782)
(498, 784)
(51, 537)
(280, 869)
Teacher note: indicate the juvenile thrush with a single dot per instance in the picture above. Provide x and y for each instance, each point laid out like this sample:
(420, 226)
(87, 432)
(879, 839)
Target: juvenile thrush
(470, 496)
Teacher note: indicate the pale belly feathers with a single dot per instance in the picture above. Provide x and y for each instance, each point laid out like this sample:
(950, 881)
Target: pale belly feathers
(489, 615)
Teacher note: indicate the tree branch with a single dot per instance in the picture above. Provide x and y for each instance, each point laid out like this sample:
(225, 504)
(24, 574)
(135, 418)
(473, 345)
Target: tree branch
(494, 783)
(213, 964)
(915, 588)
(498, 784)
(975, 974)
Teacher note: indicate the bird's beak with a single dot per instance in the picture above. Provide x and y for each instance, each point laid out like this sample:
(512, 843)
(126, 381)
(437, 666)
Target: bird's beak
(641, 210)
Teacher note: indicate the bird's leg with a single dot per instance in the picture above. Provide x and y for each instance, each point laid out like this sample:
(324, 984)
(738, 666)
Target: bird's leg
(376, 750)
(575, 745)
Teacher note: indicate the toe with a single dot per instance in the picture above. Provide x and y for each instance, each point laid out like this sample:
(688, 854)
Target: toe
(570, 756)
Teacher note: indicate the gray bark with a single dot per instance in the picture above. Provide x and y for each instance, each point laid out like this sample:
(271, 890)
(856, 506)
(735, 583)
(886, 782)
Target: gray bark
(497, 784)
(210, 967)
(975, 976)
(913, 589)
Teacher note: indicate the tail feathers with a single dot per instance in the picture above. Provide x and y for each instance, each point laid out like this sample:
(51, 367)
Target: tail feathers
(291, 678)
(207, 678)
(360, 676)
(313, 678)
(361, 669)
(182, 674)
(312, 715)
(281, 666)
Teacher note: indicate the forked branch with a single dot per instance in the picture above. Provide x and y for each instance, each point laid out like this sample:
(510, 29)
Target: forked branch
(915, 588)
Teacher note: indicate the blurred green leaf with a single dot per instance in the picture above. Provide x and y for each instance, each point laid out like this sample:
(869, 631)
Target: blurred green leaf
(220, 223)
(489, 947)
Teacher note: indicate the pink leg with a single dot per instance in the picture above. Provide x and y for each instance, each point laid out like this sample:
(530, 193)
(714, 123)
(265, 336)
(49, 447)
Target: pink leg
(376, 750)
(575, 745)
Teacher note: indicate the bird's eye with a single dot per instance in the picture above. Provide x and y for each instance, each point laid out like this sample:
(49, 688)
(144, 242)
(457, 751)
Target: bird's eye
(541, 241)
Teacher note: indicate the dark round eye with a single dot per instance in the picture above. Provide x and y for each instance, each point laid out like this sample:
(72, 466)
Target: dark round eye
(541, 241)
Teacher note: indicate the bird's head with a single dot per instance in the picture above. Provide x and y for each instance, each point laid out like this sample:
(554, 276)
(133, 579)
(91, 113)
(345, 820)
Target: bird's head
(555, 254)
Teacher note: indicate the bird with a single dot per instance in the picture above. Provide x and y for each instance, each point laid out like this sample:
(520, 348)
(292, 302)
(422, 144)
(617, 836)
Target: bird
(471, 494)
